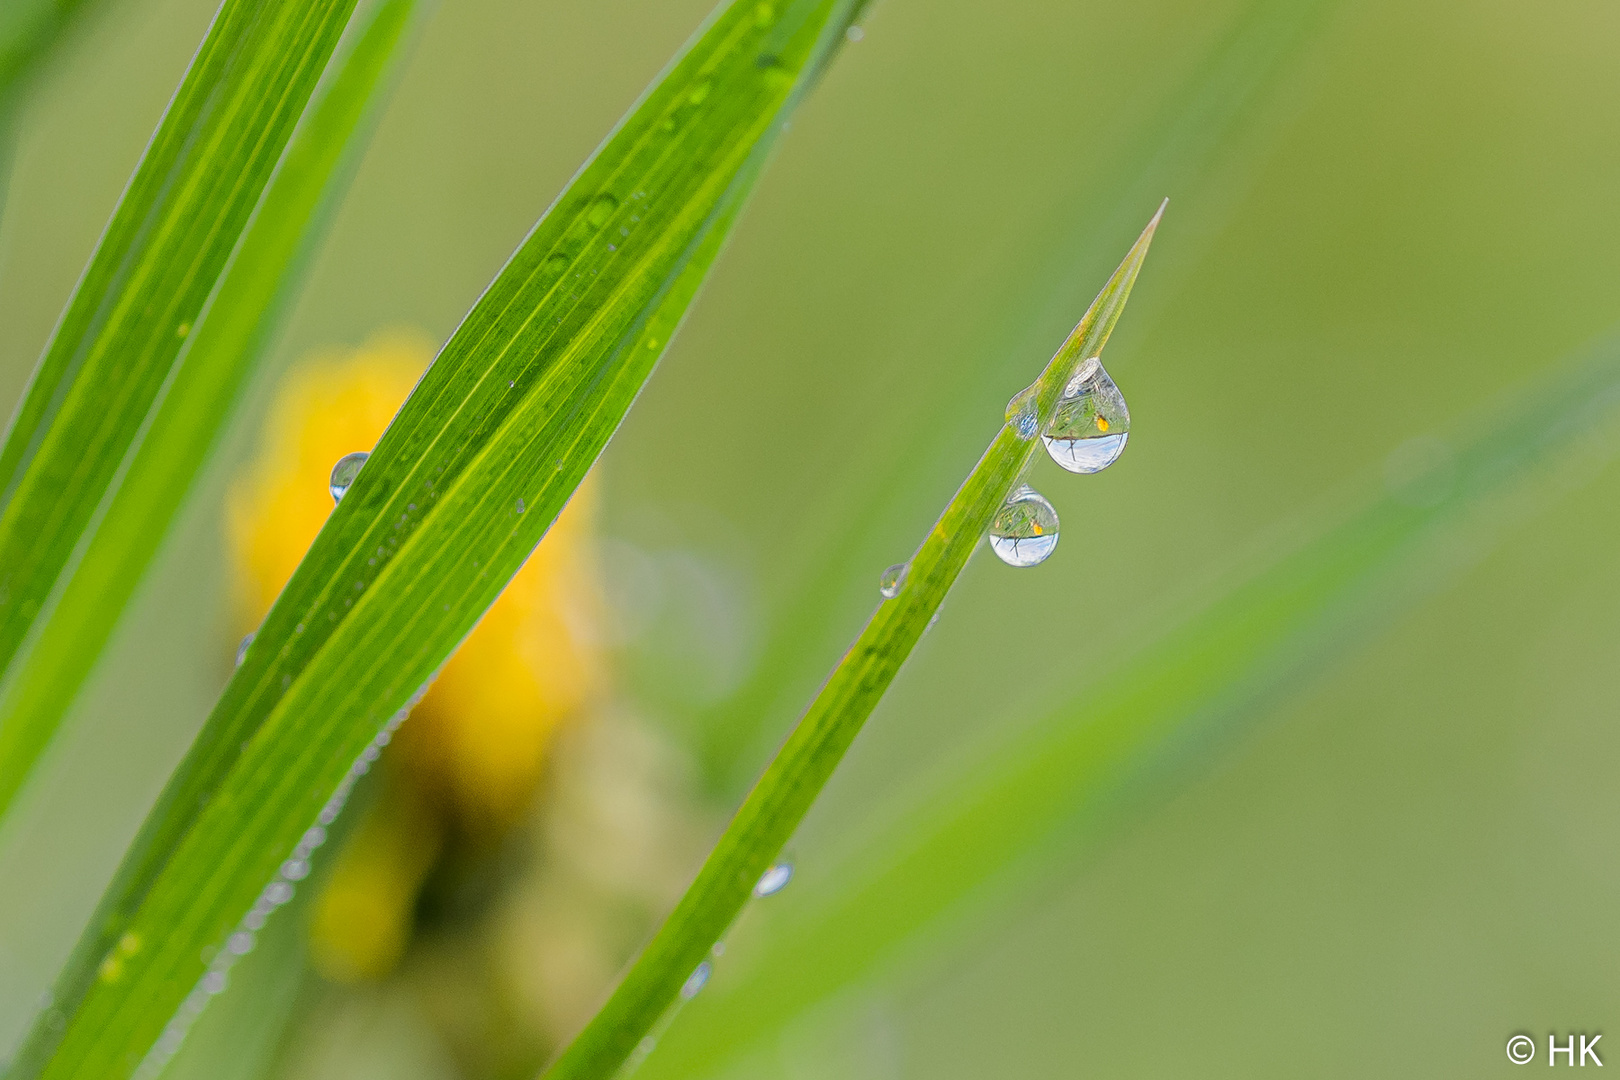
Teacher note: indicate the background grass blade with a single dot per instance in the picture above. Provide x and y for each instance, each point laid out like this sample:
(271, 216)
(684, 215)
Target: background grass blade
(226, 345)
(29, 30)
(146, 287)
(461, 487)
(997, 806)
(796, 776)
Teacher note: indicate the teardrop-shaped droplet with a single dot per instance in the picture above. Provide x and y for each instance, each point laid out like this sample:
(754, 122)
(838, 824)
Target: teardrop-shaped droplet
(1021, 412)
(1089, 430)
(344, 472)
(696, 981)
(774, 880)
(1025, 529)
(241, 650)
(892, 580)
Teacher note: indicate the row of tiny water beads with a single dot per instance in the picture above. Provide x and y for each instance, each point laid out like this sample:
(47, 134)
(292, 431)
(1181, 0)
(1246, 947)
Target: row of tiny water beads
(1086, 435)
(220, 959)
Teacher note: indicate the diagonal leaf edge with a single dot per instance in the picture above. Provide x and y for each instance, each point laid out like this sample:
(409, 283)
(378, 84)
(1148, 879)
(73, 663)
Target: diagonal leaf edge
(229, 340)
(459, 490)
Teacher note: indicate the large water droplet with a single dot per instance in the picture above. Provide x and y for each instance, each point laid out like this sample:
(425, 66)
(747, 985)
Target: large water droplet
(1021, 412)
(892, 580)
(696, 981)
(1025, 529)
(344, 472)
(774, 880)
(1089, 430)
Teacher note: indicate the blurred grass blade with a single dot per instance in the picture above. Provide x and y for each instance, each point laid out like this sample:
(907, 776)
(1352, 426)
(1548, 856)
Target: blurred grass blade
(466, 480)
(128, 322)
(234, 331)
(29, 30)
(996, 805)
(796, 776)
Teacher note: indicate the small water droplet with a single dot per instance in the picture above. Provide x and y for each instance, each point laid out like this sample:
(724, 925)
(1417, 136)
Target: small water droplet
(129, 944)
(696, 981)
(520, 506)
(774, 880)
(854, 33)
(601, 210)
(295, 869)
(214, 982)
(892, 580)
(699, 92)
(1025, 529)
(183, 329)
(1088, 432)
(240, 943)
(1021, 413)
(241, 650)
(279, 893)
(556, 264)
(344, 472)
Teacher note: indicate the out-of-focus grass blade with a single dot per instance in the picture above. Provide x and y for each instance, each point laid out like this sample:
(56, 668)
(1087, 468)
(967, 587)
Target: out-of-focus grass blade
(262, 275)
(29, 29)
(796, 776)
(996, 806)
(145, 289)
(464, 483)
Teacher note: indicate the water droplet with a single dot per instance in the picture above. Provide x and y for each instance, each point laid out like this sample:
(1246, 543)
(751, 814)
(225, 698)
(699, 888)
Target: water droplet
(699, 92)
(1089, 430)
(556, 264)
(774, 880)
(892, 580)
(279, 893)
(696, 981)
(241, 650)
(520, 506)
(1021, 413)
(295, 869)
(214, 982)
(129, 944)
(601, 210)
(854, 33)
(183, 329)
(1025, 529)
(344, 472)
(240, 943)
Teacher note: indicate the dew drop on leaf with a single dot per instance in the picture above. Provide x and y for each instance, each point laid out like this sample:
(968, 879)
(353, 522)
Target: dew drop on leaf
(1089, 430)
(1021, 413)
(241, 650)
(774, 880)
(696, 981)
(344, 472)
(1025, 529)
(892, 580)
(601, 210)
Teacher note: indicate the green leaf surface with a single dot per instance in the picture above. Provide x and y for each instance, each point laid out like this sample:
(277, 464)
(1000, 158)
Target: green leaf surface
(224, 350)
(790, 784)
(1000, 806)
(114, 352)
(466, 480)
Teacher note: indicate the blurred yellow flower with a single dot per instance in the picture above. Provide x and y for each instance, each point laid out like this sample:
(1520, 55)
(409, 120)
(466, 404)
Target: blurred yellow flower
(466, 766)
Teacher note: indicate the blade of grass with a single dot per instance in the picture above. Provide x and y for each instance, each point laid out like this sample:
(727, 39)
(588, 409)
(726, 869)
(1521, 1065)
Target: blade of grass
(774, 808)
(461, 487)
(1000, 808)
(29, 30)
(260, 281)
(130, 317)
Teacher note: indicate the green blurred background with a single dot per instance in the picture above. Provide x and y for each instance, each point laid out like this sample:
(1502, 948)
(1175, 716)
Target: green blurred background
(1383, 216)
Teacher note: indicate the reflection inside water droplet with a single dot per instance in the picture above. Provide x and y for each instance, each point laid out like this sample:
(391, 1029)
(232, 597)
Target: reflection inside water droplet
(1088, 431)
(1021, 412)
(892, 580)
(774, 880)
(344, 472)
(696, 981)
(1025, 529)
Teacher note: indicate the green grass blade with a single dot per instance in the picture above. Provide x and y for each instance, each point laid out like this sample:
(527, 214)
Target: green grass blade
(796, 776)
(116, 346)
(261, 278)
(29, 30)
(995, 807)
(463, 484)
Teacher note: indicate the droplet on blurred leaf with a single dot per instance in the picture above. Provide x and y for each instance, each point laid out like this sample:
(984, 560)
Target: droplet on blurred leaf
(774, 880)
(1021, 413)
(892, 580)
